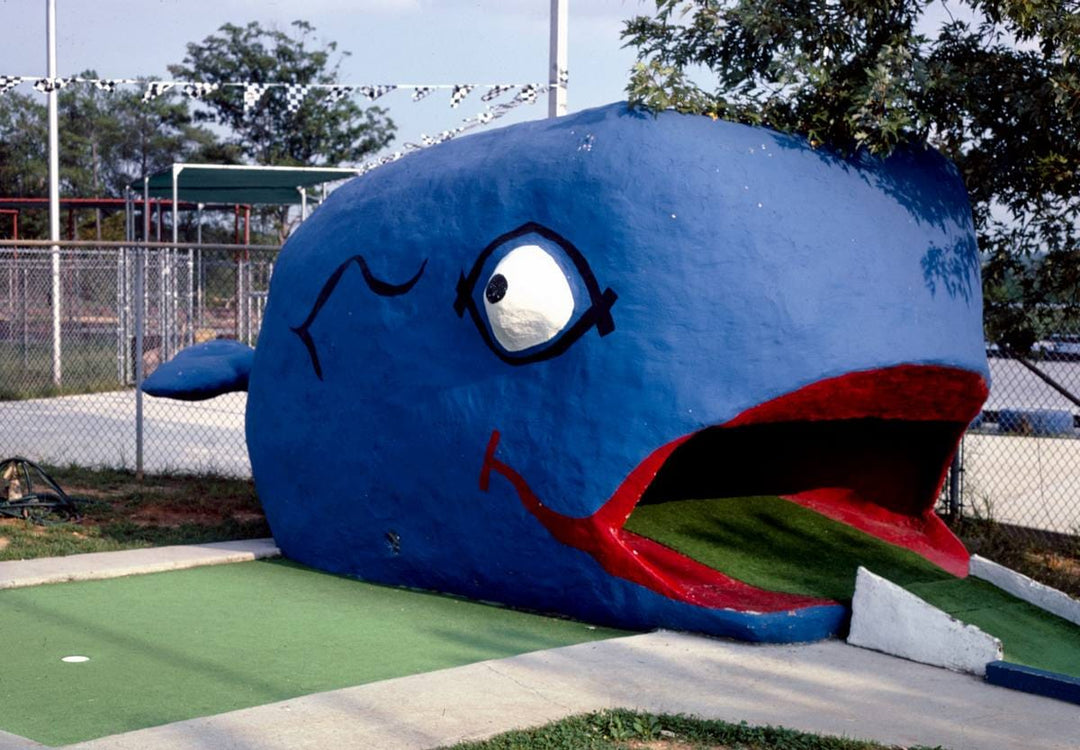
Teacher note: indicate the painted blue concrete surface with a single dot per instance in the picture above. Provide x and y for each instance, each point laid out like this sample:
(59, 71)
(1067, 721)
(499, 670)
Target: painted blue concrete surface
(741, 265)
(1032, 680)
(203, 371)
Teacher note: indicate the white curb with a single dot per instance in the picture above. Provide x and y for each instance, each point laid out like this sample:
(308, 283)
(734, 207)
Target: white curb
(1022, 587)
(886, 618)
(94, 566)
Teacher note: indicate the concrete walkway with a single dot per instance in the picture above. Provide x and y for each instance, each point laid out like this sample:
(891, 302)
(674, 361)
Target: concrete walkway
(827, 687)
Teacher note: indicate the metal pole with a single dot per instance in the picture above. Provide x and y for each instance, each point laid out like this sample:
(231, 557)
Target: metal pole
(140, 319)
(954, 484)
(189, 337)
(163, 284)
(118, 258)
(200, 300)
(125, 289)
(247, 275)
(303, 204)
(54, 190)
(557, 71)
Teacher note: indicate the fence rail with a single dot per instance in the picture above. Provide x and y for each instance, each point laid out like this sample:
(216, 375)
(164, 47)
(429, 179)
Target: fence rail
(127, 306)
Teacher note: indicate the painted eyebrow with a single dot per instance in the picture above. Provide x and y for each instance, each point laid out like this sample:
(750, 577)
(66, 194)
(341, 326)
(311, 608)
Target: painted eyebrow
(380, 287)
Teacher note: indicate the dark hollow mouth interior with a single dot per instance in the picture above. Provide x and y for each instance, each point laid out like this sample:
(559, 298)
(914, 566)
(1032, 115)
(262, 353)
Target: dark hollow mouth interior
(896, 464)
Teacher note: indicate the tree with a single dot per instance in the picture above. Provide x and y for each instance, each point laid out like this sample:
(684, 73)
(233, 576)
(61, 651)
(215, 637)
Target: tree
(24, 158)
(318, 133)
(996, 88)
(110, 139)
(107, 141)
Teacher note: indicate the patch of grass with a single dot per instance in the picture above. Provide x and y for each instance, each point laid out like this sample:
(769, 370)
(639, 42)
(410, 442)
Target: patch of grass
(26, 372)
(620, 729)
(126, 513)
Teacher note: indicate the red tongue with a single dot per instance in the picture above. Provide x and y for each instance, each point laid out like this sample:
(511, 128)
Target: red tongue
(925, 535)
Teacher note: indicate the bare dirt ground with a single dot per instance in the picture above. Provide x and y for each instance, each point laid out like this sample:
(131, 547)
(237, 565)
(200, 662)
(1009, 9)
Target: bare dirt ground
(117, 511)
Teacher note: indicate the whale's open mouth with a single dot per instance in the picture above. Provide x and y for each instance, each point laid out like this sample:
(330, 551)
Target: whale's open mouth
(869, 449)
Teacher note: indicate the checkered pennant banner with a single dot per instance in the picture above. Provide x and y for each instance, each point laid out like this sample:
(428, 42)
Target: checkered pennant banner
(495, 113)
(154, 89)
(422, 92)
(490, 114)
(459, 93)
(294, 96)
(107, 85)
(7, 83)
(45, 85)
(443, 137)
(253, 92)
(199, 90)
(528, 94)
(374, 92)
(335, 94)
(496, 91)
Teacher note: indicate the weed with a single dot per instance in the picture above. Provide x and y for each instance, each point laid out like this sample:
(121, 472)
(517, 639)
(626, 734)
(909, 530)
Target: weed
(620, 728)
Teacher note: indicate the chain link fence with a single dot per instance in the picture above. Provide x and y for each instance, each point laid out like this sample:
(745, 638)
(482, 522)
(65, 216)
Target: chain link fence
(1020, 460)
(115, 298)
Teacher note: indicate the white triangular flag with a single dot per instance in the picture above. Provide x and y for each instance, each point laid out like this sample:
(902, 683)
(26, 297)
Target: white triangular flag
(154, 89)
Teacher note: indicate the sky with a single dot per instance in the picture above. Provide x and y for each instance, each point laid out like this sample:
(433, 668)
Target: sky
(389, 41)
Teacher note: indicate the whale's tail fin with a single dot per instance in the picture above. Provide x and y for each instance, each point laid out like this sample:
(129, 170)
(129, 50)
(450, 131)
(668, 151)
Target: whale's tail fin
(203, 371)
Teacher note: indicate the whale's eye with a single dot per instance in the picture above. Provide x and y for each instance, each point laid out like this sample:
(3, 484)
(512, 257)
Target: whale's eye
(532, 294)
(528, 299)
(496, 289)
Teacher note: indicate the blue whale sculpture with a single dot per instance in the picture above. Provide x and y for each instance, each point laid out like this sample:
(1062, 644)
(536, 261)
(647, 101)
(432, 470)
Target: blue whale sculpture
(476, 361)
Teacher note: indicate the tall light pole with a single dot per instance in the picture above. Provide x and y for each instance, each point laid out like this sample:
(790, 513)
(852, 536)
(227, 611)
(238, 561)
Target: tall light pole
(557, 71)
(54, 189)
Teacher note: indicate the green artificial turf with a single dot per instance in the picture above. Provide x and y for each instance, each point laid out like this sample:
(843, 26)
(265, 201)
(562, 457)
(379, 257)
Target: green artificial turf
(777, 545)
(191, 643)
(1030, 635)
(774, 544)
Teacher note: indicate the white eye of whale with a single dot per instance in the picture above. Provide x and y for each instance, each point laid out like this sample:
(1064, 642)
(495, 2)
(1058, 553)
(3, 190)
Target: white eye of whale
(527, 298)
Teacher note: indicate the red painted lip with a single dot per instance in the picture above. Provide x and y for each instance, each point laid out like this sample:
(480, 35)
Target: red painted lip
(889, 493)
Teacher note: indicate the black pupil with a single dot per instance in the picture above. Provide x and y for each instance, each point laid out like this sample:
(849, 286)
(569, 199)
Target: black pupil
(496, 288)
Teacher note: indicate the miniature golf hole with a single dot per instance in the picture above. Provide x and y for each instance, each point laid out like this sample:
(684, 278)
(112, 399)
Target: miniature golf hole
(75, 659)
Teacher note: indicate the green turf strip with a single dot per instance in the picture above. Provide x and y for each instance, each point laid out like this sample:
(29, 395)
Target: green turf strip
(777, 545)
(197, 642)
(1030, 635)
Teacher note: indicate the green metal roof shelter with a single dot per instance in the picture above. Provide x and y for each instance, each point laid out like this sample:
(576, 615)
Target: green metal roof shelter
(237, 184)
(226, 183)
